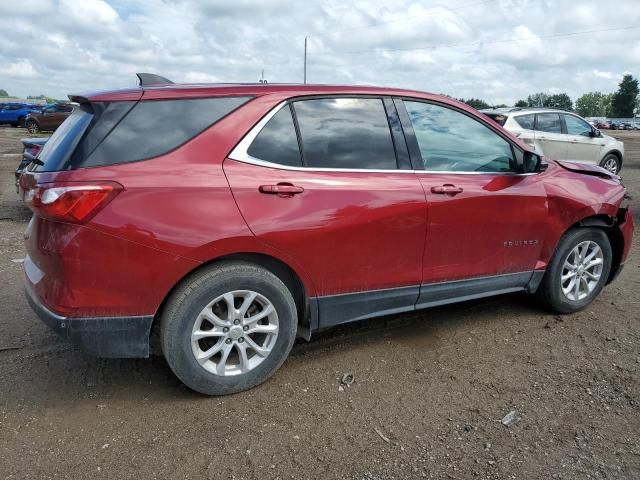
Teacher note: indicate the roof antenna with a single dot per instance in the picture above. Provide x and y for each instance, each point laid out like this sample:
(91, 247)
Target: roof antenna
(149, 79)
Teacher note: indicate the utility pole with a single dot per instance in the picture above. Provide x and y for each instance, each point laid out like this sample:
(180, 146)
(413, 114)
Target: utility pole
(305, 59)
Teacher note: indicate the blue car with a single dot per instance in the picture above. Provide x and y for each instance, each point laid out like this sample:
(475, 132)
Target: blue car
(14, 114)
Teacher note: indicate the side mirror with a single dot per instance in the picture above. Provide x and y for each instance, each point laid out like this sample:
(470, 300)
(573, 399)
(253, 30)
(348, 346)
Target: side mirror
(527, 162)
(531, 162)
(595, 132)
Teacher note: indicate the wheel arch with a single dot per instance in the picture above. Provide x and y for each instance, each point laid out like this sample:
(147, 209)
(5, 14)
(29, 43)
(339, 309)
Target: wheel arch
(610, 227)
(615, 152)
(306, 314)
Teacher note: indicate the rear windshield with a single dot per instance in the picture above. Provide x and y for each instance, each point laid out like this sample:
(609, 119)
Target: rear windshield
(99, 134)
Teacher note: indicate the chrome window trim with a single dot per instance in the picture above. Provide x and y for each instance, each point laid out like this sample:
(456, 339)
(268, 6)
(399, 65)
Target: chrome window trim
(239, 153)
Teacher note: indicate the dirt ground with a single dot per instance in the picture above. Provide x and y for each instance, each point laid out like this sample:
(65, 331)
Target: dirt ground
(429, 394)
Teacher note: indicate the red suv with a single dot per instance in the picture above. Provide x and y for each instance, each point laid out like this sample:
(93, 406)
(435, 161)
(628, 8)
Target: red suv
(225, 220)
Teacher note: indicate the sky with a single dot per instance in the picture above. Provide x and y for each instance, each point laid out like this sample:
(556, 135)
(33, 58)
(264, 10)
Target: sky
(497, 50)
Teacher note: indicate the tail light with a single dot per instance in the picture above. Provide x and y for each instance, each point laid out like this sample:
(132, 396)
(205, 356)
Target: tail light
(75, 203)
(34, 150)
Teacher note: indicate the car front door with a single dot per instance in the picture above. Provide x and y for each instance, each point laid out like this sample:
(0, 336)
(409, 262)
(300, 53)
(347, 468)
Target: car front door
(330, 191)
(549, 136)
(485, 222)
(583, 146)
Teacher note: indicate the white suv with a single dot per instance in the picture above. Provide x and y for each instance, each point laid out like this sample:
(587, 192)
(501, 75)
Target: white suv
(561, 135)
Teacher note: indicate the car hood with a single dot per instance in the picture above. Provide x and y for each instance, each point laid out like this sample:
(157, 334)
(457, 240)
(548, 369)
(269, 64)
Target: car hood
(587, 169)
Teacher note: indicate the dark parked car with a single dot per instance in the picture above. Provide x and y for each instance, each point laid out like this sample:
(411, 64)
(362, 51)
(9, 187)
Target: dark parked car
(30, 149)
(15, 114)
(225, 220)
(49, 119)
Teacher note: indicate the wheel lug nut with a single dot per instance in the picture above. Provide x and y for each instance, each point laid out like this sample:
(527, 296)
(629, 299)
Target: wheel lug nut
(241, 339)
(236, 322)
(228, 340)
(245, 328)
(225, 329)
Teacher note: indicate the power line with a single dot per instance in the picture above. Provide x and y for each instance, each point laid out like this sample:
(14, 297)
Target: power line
(492, 42)
(403, 19)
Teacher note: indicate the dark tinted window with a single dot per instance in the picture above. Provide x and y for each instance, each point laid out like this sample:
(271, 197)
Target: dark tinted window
(525, 121)
(452, 141)
(549, 122)
(345, 133)
(119, 132)
(155, 127)
(576, 126)
(499, 118)
(277, 141)
(56, 152)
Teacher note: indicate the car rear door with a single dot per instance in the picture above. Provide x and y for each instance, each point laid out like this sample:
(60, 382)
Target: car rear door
(485, 223)
(550, 137)
(331, 192)
(582, 146)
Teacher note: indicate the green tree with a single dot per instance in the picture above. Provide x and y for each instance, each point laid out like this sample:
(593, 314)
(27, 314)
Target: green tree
(559, 100)
(476, 103)
(521, 104)
(624, 100)
(537, 99)
(594, 104)
(3, 93)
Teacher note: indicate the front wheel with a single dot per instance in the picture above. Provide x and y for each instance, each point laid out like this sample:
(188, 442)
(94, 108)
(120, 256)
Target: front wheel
(578, 270)
(32, 126)
(228, 328)
(612, 163)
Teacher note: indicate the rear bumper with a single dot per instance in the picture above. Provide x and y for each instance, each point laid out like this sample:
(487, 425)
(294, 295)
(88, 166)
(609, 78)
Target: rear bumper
(109, 337)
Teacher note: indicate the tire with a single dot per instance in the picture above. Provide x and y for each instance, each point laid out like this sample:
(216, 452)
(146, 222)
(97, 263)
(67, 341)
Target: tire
(611, 162)
(551, 290)
(32, 126)
(195, 296)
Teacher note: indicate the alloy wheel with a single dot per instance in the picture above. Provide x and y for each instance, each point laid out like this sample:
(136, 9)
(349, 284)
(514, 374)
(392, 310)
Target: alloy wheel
(234, 333)
(582, 270)
(611, 164)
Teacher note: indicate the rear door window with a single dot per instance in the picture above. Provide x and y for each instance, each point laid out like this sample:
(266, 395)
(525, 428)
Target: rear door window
(277, 142)
(525, 121)
(351, 133)
(548, 122)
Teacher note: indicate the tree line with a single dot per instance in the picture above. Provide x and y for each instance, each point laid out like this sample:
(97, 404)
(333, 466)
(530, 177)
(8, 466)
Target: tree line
(623, 103)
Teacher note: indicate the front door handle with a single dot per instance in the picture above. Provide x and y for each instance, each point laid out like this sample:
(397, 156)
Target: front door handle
(281, 189)
(447, 189)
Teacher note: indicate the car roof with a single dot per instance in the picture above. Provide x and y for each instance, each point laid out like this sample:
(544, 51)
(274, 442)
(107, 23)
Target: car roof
(195, 90)
(523, 110)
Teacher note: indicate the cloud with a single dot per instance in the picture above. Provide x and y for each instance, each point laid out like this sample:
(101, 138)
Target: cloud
(20, 69)
(498, 50)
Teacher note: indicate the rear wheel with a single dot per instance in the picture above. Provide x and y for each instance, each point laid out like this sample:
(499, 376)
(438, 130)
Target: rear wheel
(228, 328)
(578, 270)
(611, 162)
(32, 126)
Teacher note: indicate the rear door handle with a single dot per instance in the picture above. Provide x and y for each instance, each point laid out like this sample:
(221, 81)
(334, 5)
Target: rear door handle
(447, 189)
(281, 189)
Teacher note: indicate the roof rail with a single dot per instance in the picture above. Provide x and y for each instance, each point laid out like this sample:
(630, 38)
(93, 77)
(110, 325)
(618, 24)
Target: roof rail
(149, 79)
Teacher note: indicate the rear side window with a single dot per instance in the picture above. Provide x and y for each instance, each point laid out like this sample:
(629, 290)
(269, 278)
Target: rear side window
(101, 134)
(156, 127)
(549, 122)
(525, 121)
(277, 142)
(350, 133)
